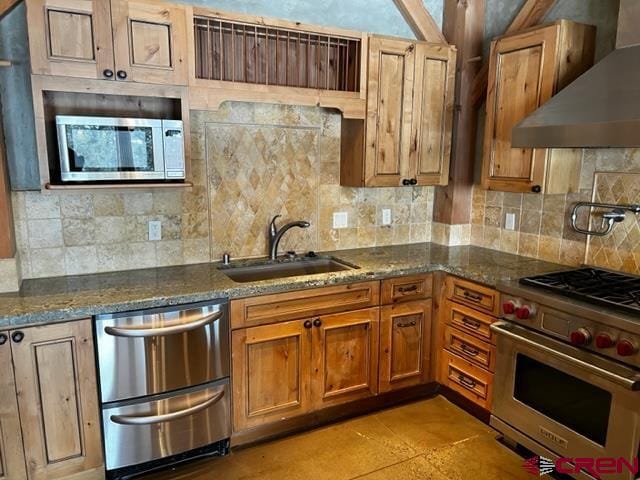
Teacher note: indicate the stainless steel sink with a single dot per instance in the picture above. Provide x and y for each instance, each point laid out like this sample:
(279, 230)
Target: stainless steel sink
(267, 270)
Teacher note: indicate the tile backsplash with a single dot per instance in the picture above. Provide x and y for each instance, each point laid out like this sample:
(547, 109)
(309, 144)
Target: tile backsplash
(249, 162)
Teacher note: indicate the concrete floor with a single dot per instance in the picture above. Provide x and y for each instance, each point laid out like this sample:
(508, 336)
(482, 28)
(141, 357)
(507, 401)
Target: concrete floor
(427, 440)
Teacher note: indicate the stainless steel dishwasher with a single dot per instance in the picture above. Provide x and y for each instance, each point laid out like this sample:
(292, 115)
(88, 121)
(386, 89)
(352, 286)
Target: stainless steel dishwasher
(164, 386)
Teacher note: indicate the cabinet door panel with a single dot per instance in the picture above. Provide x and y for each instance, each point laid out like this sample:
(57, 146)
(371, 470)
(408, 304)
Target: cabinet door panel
(150, 41)
(391, 65)
(432, 114)
(405, 336)
(271, 366)
(70, 37)
(12, 465)
(522, 78)
(345, 357)
(58, 399)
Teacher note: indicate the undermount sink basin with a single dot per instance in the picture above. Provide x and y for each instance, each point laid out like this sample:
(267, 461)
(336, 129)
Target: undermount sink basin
(268, 270)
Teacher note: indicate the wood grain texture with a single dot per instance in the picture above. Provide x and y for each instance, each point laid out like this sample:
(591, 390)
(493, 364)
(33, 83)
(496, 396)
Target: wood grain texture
(420, 20)
(407, 288)
(70, 37)
(7, 230)
(469, 380)
(468, 320)
(58, 400)
(405, 345)
(303, 304)
(470, 348)
(270, 373)
(12, 466)
(474, 295)
(345, 357)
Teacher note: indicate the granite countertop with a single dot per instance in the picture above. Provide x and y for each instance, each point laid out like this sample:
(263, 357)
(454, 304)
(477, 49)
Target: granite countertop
(50, 300)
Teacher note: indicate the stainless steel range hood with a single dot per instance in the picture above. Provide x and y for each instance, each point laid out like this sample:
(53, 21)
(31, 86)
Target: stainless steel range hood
(599, 109)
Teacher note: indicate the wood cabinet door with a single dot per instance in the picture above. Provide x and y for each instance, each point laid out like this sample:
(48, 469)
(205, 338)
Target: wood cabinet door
(389, 109)
(522, 75)
(405, 339)
(70, 38)
(270, 375)
(12, 465)
(345, 357)
(432, 121)
(58, 399)
(150, 41)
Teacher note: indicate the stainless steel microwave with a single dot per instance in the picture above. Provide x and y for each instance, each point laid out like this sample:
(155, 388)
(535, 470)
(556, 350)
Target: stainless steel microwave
(111, 149)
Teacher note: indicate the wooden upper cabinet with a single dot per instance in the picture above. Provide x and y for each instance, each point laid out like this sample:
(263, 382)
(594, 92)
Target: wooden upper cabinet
(407, 132)
(70, 37)
(525, 71)
(57, 395)
(150, 41)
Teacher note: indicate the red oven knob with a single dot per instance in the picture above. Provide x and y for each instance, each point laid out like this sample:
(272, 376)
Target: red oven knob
(626, 348)
(604, 340)
(509, 307)
(523, 312)
(582, 336)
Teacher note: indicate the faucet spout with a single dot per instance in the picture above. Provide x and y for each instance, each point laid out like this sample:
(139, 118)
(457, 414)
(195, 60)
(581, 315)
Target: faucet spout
(275, 234)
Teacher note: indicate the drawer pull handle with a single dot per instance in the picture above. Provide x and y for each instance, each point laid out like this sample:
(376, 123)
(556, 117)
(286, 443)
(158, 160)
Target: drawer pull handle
(412, 288)
(466, 382)
(474, 297)
(474, 352)
(167, 417)
(138, 332)
(408, 324)
(468, 322)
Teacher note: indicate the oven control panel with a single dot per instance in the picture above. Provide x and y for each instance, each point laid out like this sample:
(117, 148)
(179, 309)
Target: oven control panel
(607, 341)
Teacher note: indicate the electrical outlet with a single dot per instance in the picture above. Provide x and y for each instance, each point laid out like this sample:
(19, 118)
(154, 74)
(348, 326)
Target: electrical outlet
(340, 219)
(386, 216)
(510, 221)
(155, 230)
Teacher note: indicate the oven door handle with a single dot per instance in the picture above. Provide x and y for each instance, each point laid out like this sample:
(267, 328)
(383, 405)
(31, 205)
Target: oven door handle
(142, 332)
(167, 417)
(630, 381)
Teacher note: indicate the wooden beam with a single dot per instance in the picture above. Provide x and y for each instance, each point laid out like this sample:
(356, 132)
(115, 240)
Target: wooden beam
(420, 20)
(6, 5)
(463, 27)
(7, 231)
(531, 13)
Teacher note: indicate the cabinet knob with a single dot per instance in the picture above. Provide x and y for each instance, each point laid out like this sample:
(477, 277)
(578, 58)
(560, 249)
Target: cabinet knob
(406, 181)
(307, 324)
(3, 338)
(536, 189)
(17, 337)
(317, 322)
(107, 73)
(122, 75)
(413, 181)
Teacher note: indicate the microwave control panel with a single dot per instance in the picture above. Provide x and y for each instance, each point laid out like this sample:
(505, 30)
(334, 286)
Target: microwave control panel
(173, 139)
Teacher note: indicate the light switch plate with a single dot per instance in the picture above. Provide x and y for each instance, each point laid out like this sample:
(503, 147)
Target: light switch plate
(510, 221)
(340, 219)
(386, 216)
(155, 230)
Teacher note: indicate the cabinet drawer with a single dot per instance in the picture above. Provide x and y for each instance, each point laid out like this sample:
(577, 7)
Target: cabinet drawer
(246, 312)
(470, 348)
(469, 321)
(477, 296)
(403, 289)
(471, 381)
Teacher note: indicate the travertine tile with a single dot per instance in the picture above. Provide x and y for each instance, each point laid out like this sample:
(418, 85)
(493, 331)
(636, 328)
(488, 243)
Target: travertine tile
(47, 262)
(79, 260)
(76, 205)
(45, 233)
(78, 231)
(42, 205)
(9, 275)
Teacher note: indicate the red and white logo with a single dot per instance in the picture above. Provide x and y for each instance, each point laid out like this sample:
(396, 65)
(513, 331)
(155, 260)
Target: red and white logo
(538, 466)
(596, 467)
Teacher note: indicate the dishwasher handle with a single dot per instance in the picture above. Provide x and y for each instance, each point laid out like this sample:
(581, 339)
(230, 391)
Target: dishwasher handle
(167, 417)
(144, 332)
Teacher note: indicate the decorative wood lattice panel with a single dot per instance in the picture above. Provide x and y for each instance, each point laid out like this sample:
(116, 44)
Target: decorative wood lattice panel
(248, 53)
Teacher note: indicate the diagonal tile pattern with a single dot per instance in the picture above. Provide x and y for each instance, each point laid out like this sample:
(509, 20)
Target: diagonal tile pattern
(426, 440)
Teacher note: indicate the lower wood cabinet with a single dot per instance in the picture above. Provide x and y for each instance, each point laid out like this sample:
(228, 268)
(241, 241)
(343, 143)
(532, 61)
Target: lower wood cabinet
(405, 344)
(53, 384)
(290, 368)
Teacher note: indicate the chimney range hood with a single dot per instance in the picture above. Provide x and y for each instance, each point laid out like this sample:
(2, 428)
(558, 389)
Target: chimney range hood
(599, 109)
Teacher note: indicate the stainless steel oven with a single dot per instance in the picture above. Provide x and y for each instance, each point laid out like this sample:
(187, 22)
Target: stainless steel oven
(164, 385)
(111, 149)
(569, 401)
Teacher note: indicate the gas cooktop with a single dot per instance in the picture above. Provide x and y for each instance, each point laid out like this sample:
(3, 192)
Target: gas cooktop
(594, 285)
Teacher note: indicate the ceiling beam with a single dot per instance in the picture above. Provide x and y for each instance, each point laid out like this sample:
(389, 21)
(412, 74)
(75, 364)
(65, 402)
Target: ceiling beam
(420, 20)
(531, 13)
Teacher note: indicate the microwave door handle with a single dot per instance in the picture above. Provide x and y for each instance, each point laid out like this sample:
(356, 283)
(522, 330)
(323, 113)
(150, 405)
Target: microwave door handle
(167, 417)
(631, 382)
(138, 332)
